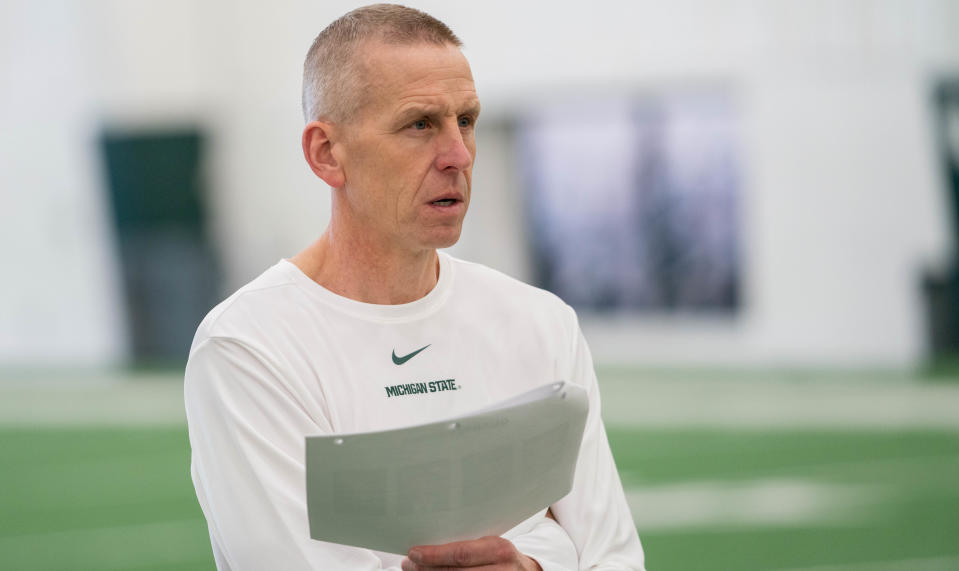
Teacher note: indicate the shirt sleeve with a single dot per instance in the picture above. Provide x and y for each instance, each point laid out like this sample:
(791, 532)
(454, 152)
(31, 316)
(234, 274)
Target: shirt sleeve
(549, 545)
(247, 436)
(595, 513)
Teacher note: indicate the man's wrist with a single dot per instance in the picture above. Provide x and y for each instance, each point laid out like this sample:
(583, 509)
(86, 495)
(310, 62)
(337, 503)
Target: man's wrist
(530, 564)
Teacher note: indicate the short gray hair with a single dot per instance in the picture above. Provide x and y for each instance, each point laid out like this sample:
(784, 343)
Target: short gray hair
(332, 82)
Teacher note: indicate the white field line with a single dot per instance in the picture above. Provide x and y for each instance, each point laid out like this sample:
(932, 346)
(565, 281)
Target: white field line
(141, 543)
(925, 564)
(776, 404)
(765, 502)
(917, 467)
(88, 533)
(112, 401)
(131, 400)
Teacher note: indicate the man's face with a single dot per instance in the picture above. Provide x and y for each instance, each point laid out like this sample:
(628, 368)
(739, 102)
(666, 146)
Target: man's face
(407, 153)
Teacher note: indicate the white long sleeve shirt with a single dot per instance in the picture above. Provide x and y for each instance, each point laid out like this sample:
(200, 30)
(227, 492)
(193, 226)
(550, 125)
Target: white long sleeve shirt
(284, 358)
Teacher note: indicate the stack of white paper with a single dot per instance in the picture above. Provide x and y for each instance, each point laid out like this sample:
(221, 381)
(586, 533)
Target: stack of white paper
(462, 478)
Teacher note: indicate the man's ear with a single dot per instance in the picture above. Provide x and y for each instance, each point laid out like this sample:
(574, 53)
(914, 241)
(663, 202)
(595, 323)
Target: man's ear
(318, 151)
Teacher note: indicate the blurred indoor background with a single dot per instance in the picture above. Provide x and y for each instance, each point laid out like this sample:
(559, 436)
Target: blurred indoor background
(752, 205)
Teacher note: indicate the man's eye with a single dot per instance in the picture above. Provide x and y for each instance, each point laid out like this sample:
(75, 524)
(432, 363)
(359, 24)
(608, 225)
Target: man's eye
(420, 125)
(465, 121)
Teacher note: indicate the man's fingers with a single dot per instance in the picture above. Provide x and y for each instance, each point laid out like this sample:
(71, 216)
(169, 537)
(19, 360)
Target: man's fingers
(410, 566)
(483, 551)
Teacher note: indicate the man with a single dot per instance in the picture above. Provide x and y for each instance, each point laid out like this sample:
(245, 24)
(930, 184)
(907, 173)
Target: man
(333, 339)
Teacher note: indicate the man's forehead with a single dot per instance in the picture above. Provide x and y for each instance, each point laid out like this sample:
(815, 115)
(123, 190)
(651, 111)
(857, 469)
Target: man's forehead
(385, 62)
(431, 74)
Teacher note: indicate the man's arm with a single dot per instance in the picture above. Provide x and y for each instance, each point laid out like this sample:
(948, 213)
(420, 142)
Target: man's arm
(594, 516)
(595, 513)
(247, 432)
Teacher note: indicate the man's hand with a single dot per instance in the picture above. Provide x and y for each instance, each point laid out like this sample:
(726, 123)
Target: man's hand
(486, 553)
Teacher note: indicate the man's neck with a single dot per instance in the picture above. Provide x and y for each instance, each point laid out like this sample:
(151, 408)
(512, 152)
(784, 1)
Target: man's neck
(363, 272)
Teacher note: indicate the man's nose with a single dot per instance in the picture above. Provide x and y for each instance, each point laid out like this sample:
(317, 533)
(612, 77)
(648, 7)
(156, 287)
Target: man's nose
(453, 152)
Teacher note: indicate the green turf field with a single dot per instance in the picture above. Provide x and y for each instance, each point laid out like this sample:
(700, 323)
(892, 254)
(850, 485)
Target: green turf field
(726, 499)
(864, 497)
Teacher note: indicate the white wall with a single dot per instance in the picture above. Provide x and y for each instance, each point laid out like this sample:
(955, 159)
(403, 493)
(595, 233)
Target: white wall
(842, 204)
(60, 284)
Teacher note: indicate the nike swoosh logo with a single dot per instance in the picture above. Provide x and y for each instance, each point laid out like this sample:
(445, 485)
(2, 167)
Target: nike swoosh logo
(401, 360)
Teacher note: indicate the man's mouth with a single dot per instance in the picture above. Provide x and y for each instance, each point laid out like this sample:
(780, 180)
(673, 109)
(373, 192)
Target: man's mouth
(445, 202)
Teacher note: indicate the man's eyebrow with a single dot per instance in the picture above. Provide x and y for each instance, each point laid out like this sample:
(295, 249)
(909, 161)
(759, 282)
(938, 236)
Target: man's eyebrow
(471, 108)
(417, 110)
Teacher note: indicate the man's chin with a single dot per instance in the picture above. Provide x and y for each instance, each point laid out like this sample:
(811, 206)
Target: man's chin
(445, 239)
